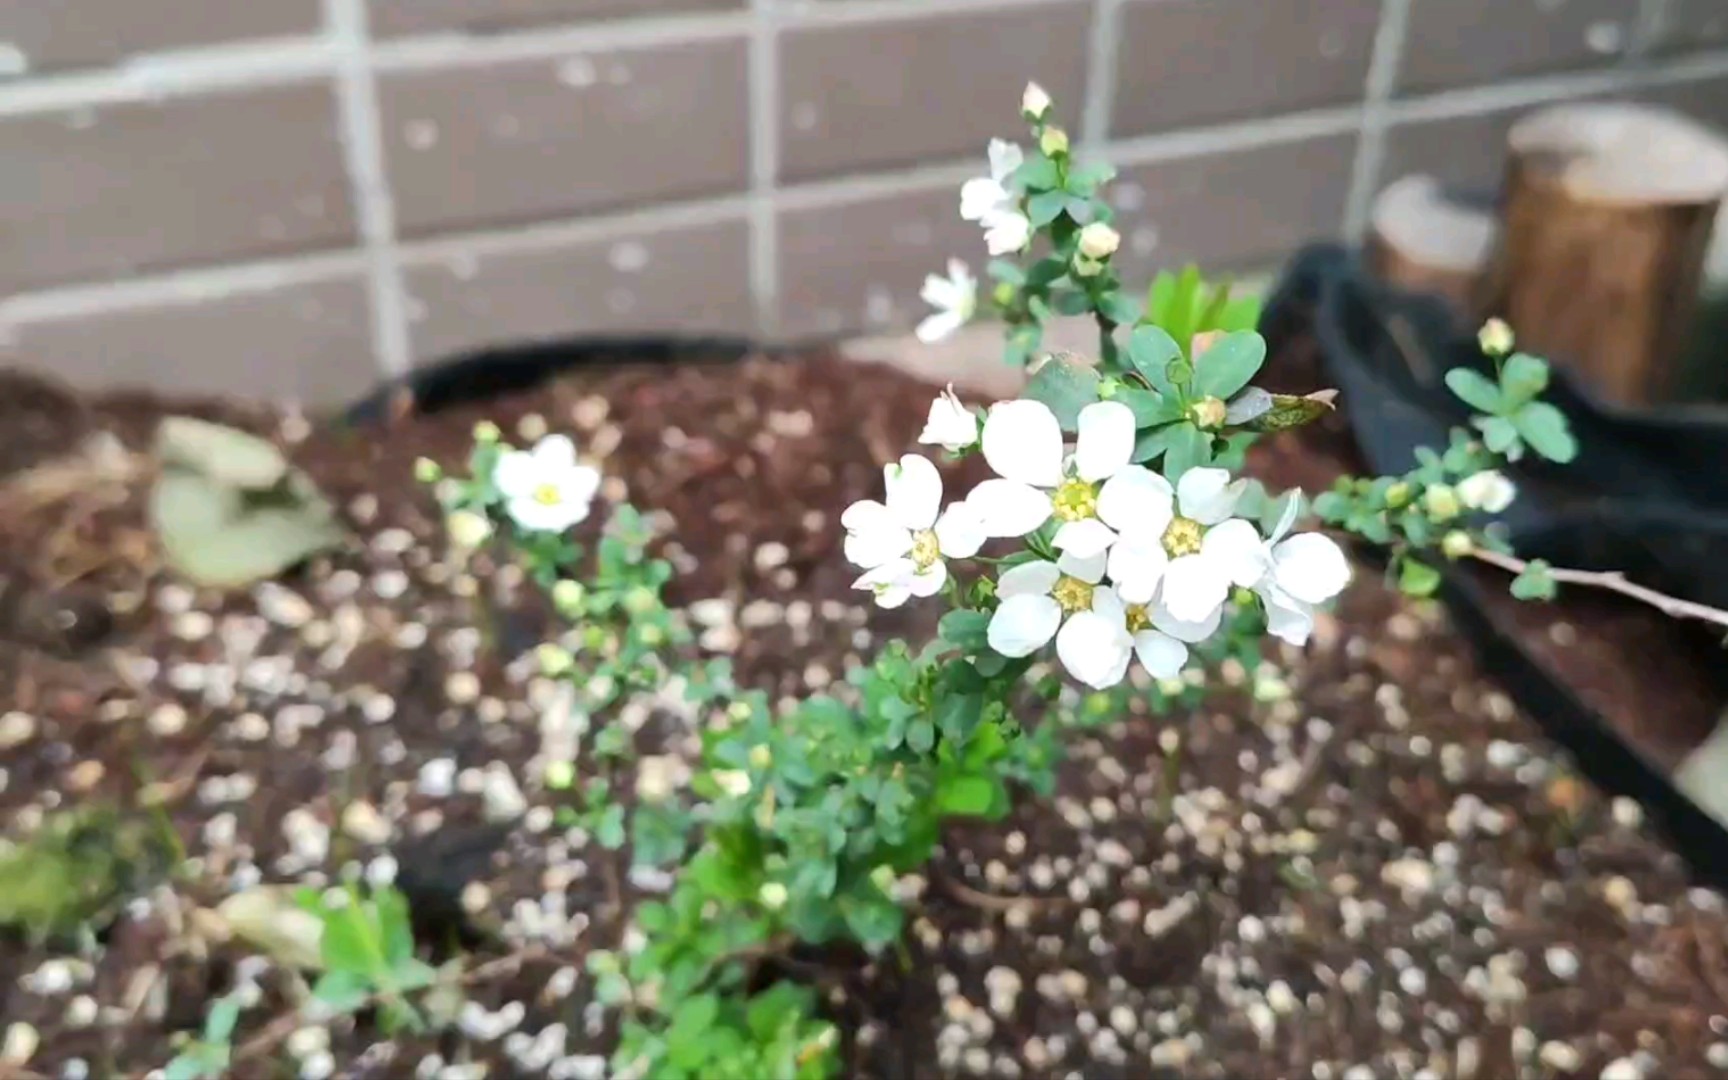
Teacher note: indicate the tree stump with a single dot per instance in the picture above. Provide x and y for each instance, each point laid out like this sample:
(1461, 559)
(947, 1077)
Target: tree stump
(1605, 223)
(1427, 237)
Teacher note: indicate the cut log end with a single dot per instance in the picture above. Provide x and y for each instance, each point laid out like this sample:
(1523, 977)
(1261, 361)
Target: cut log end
(1427, 237)
(1623, 153)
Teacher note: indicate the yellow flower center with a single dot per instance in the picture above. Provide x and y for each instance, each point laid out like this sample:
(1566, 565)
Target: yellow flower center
(548, 495)
(1075, 500)
(1183, 537)
(1072, 594)
(1138, 618)
(925, 549)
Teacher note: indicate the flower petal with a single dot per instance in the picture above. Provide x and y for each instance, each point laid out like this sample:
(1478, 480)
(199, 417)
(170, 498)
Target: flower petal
(533, 515)
(1028, 579)
(1235, 547)
(943, 324)
(960, 531)
(1023, 441)
(873, 537)
(1085, 539)
(1095, 649)
(914, 491)
(949, 424)
(1183, 630)
(1136, 567)
(1207, 495)
(1005, 157)
(891, 582)
(1106, 602)
(1023, 624)
(1089, 569)
(865, 515)
(555, 453)
(1106, 440)
(1310, 567)
(981, 197)
(1287, 618)
(1136, 501)
(1009, 508)
(517, 473)
(1195, 588)
(581, 484)
(1005, 231)
(1162, 655)
(929, 581)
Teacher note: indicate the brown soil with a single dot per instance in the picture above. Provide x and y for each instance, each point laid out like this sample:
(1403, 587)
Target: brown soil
(1384, 870)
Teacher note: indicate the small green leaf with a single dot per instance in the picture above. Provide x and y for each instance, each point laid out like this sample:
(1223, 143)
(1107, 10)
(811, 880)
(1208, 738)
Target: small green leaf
(342, 991)
(958, 714)
(967, 795)
(965, 629)
(1499, 434)
(1120, 308)
(1085, 179)
(875, 922)
(1151, 443)
(1037, 173)
(921, 735)
(1522, 377)
(1151, 351)
(219, 1025)
(1065, 387)
(1005, 271)
(1418, 578)
(1150, 408)
(1189, 448)
(226, 455)
(1045, 207)
(1474, 389)
(1536, 582)
(610, 828)
(1544, 427)
(1332, 507)
(1227, 366)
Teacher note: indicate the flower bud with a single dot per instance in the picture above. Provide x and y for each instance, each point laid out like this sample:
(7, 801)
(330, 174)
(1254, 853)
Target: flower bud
(467, 529)
(773, 895)
(560, 775)
(656, 777)
(486, 433)
(640, 600)
(1099, 241)
(1208, 413)
(1034, 103)
(734, 782)
(569, 597)
(555, 659)
(761, 757)
(1054, 142)
(652, 636)
(1457, 544)
(1495, 337)
(1004, 294)
(883, 878)
(1086, 268)
(1488, 491)
(1398, 495)
(427, 471)
(1441, 502)
(1108, 387)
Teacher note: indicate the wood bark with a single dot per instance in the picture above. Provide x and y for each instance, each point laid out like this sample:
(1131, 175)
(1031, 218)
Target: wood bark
(1606, 216)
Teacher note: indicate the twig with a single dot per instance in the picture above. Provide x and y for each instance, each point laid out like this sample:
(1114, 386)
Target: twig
(966, 894)
(1613, 581)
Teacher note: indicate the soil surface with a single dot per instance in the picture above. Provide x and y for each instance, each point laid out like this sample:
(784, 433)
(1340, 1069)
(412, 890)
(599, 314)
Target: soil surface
(1368, 865)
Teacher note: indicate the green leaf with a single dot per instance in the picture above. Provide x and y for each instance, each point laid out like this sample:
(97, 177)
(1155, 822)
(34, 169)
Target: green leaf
(1474, 389)
(213, 534)
(1544, 427)
(1066, 387)
(1045, 207)
(1149, 407)
(1189, 448)
(1085, 179)
(875, 922)
(1522, 377)
(219, 1025)
(958, 714)
(1418, 578)
(1151, 351)
(1120, 308)
(1005, 271)
(1151, 443)
(228, 456)
(1227, 366)
(969, 795)
(392, 908)
(1067, 302)
(965, 629)
(1289, 411)
(1332, 507)
(921, 735)
(1241, 313)
(609, 830)
(342, 991)
(1037, 173)
(1498, 434)
(1536, 582)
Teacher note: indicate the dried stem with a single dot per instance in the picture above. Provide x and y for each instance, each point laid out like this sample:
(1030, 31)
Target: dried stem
(1613, 581)
(966, 894)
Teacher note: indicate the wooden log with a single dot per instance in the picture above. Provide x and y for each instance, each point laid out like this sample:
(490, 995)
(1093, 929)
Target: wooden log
(1427, 237)
(1606, 214)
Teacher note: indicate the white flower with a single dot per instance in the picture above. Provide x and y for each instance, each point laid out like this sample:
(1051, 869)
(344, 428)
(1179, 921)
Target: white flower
(1063, 600)
(1188, 542)
(1161, 654)
(1034, 103)
(1099, 241)
(544, 489)
(1096, 494)
(955, 299)
(989, 201)
(950, 425)
(734, 782)
(1302, 573)
(900, 544)
(658, 776)
(1488, 491)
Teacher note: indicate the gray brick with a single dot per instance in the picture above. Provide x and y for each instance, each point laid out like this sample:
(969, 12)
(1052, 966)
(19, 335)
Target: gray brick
(73, 33)
(392, 17)
(1465, 42)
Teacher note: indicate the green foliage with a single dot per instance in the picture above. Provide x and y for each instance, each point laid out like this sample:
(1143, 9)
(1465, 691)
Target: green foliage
(1536, 582)
(72, 873)
(772, 1035)
(368, 953)
(207, 1056)
(1513, 419)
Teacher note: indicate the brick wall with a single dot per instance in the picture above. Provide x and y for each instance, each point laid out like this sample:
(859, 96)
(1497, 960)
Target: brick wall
(294, 197)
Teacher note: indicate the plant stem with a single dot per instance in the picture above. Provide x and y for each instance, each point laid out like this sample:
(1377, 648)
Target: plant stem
(1613, 581)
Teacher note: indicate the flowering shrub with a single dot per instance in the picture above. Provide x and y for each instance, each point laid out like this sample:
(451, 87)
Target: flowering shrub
(1113, 528)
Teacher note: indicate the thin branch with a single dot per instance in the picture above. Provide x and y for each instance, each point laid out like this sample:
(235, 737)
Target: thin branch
(1613, 581)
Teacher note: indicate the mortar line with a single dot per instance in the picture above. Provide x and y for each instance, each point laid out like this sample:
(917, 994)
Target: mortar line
(1390, 37)
(363, 154)
(764, 135)
(1101, 74)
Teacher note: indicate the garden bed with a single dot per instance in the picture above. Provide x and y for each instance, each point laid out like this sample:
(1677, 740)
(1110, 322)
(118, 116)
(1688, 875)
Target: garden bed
(1368, 865)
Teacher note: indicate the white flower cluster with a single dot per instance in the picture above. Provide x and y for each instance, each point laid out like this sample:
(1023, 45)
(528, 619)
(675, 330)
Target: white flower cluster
(1141, 569)
(546, 489)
